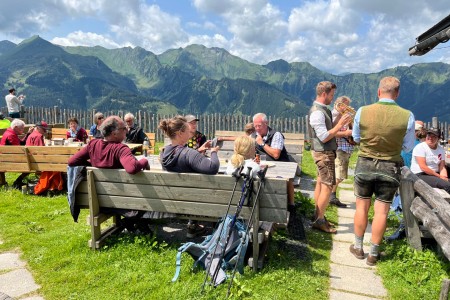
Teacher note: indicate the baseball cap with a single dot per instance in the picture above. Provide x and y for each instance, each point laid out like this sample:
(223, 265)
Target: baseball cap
(190, 118)
(42, 124)
(418, 126)
(434, 131)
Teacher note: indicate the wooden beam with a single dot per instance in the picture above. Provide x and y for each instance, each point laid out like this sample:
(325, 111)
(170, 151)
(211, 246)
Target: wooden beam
(431, 221)
(411, 225)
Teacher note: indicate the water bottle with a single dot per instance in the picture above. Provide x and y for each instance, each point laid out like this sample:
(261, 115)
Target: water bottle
(145, 147)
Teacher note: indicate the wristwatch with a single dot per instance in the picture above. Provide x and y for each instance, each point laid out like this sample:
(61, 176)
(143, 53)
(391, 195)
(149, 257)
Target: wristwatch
(262, 145)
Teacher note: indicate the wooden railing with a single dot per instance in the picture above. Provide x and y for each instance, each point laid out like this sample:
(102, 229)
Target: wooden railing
(429, 207)
(208, 123)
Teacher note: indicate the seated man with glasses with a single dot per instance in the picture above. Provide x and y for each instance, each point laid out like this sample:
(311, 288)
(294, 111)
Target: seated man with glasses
(428, 161)
(109, 152)
(135, 134)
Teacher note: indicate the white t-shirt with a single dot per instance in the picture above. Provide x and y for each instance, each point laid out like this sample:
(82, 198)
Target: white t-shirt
(247, 163)
(432, 157)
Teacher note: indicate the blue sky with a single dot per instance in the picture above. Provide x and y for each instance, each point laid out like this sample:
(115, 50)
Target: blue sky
(336, 36)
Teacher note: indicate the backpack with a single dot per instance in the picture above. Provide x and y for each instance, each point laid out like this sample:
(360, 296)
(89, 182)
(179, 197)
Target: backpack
(203, 254)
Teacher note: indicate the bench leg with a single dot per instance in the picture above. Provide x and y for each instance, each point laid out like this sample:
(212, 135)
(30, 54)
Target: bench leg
(2, 178)
(255, 237)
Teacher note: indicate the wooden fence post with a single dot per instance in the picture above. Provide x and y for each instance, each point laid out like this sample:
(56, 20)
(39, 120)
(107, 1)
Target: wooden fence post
(411, 225)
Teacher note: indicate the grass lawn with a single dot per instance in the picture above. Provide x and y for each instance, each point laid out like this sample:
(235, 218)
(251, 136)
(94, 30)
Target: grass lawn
(142, 266)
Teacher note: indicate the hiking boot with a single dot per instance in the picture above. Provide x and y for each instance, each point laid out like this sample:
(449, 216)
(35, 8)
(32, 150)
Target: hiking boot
(358, 253)
(322, 224)
(372, 260)
(194, 230)
(337, 202)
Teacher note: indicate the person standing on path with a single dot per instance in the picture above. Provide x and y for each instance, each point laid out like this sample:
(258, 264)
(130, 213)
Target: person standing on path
(13, 103)
(345, 148)
(323, 131)
(382, 129)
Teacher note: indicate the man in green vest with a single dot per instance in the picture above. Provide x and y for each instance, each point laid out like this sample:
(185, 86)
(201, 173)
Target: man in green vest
(322, 132)
(383, 130)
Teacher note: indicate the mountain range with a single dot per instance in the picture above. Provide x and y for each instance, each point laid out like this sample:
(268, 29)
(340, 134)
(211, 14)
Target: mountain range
(198, 80)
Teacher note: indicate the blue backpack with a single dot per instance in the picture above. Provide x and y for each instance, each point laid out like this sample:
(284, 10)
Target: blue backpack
(203, 253)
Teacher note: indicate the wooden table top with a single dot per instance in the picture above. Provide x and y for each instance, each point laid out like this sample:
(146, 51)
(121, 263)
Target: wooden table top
(277, 169)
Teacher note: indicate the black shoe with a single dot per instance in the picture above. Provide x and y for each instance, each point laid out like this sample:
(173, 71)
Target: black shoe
(17, 185)
(400, 233)
(335, 201)
(194, 230)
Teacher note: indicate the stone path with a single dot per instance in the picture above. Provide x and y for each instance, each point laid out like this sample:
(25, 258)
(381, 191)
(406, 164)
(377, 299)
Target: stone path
(351, 278)
(16, 282)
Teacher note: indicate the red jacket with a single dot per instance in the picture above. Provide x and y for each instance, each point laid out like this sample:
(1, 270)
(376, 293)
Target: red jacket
(10, 138)
(35, 139)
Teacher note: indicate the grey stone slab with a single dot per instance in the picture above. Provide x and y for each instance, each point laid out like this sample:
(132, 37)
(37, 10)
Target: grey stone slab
(344, 185)
(10, 260)
(340, 254)
(347, 196)
(345, 231)
(357, 280)
(33, 298)
(339, 295)
(18, 282)
(348, 212)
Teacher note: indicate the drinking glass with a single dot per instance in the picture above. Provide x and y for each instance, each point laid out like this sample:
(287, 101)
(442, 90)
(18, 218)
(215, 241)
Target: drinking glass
(263, 158)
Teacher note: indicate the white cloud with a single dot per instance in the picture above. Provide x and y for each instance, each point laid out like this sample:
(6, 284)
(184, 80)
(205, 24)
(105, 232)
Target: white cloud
(87, 39)
(333, 35)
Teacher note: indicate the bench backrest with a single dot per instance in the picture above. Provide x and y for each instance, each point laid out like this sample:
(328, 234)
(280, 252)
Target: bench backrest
(179, 193)
(35, 158)
(152, 138)
(59, 133)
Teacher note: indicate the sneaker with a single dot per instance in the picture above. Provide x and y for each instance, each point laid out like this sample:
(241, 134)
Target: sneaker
(194, 230)
(322, 224)
(358, 253)
(337, 202)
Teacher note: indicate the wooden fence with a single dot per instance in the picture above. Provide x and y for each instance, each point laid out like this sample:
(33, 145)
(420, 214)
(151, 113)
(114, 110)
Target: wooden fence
(208, 123)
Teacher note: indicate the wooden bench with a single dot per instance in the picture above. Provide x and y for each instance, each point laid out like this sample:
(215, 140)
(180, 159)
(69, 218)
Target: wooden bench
(185, 194)
(32, 159)
(59, 133)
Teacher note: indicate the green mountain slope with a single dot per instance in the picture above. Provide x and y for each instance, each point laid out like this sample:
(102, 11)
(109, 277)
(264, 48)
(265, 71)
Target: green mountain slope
(197, 79)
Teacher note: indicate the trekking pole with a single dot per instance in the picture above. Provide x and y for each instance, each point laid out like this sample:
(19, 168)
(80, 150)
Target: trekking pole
(262, 177)
(237, 175)
(246, 193)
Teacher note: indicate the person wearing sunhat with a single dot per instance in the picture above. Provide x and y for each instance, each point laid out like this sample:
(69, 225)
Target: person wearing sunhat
(36, 138)
(428, 161)
(13, 103)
